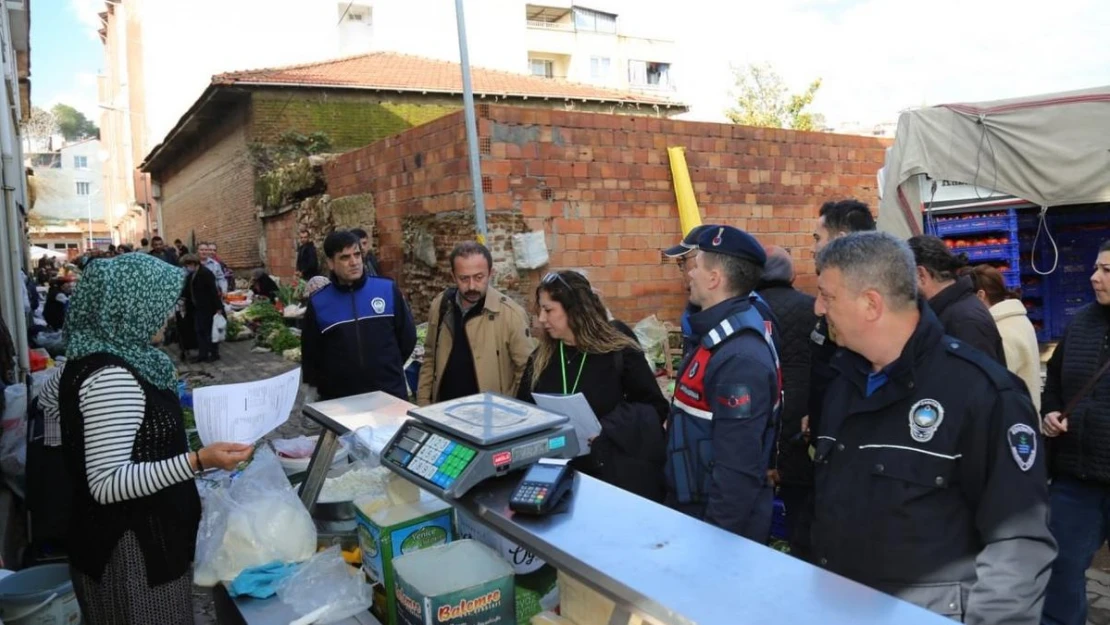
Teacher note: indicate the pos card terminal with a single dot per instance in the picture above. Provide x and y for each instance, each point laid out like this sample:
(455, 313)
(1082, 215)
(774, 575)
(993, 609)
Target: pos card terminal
(452, 446)
(542, 487)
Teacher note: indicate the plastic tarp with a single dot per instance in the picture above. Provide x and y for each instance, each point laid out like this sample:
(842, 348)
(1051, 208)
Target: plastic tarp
(1051, 150)
(38, 252)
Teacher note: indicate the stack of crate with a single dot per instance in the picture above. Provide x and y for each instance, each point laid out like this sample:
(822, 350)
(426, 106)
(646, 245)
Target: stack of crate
(987, 238)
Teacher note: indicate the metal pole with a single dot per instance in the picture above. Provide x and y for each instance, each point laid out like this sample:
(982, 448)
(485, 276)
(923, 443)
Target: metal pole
(471, 127)
(88, 203)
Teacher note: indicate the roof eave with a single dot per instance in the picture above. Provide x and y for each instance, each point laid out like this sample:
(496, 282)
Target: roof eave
(422, 90)
(149, 162)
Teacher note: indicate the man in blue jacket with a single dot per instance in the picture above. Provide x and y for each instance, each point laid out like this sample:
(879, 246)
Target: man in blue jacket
(722, 427)
(358, 331)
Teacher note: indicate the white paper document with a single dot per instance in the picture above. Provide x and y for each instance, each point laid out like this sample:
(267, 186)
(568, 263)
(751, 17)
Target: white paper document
(582, 417)
(244, 413)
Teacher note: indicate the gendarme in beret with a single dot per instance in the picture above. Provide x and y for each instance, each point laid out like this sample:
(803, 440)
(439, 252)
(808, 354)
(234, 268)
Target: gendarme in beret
(732, 242)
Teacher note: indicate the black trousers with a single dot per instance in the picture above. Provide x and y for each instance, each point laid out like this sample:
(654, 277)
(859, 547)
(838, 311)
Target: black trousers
(799, 518)
(205, 346)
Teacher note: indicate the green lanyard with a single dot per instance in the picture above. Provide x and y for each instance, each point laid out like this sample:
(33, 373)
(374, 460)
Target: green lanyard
(563, 366)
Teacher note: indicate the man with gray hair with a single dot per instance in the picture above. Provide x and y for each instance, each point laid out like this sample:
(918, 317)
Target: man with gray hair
(930, 484)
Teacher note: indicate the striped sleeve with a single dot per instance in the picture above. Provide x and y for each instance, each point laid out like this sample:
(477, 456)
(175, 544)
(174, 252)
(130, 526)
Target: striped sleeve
(48, 401)
(113, 404)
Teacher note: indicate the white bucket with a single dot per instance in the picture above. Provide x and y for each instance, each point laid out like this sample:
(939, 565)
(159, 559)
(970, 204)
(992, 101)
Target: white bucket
(40, 595)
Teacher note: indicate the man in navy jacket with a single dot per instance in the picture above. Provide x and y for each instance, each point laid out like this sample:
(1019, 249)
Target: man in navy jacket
(358, 330)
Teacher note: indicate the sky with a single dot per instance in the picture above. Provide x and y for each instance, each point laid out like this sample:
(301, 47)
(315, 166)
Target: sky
(66, 56)
(875, 57)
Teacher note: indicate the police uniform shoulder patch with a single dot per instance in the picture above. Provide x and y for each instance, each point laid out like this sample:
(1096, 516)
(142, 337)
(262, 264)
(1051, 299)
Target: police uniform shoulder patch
(925, 417)
(734, 401)
(1022, 441)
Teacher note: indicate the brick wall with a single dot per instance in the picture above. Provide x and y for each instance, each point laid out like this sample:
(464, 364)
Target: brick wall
(350, 120)
(210, 195)
(600, 187)
(281, 237)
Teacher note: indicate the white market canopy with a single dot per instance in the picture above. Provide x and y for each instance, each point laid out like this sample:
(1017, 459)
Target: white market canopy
(38, 252)
(1050, 150)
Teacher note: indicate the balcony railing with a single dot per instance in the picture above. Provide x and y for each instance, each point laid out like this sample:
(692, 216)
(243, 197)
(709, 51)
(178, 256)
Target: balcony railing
(542, 25)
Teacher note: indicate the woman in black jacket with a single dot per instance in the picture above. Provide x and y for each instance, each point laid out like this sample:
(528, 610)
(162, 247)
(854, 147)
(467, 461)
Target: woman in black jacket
(201, 291)
(580, 351)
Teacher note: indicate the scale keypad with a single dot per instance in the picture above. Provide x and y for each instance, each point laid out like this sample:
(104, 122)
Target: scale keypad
(431, 456)
(532, 493)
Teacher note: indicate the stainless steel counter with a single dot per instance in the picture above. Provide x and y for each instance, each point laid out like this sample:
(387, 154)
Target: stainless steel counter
(652, 560)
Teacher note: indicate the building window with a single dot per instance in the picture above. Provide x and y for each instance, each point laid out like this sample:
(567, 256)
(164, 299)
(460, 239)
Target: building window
(647, 74)
(594, 21)
(543, 68)
(83, 188)
(355, 14)
(81, 162)
(59, 246)
(599, 67)
(72, 246)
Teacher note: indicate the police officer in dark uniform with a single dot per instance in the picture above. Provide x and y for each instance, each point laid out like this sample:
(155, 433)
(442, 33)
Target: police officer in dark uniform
(722, 425)
(930, 478)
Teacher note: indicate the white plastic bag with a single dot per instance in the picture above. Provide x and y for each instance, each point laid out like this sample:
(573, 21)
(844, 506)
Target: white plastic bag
(653, 337)
(251, 519)
(219, 329)
(530, 250)
(13, 438)
(326, 582)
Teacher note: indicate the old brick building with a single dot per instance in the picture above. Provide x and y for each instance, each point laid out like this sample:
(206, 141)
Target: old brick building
(599, 187)
(203, 170)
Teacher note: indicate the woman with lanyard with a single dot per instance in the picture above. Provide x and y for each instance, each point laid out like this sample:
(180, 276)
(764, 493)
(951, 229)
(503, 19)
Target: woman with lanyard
(581, 351)
(135, 508)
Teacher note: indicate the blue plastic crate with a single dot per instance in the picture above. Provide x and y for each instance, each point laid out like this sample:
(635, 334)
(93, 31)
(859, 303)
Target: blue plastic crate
(1012, 278)
(1044, 335)
(976, 223)
(778, 520)
(1032, 291)
(984, 253)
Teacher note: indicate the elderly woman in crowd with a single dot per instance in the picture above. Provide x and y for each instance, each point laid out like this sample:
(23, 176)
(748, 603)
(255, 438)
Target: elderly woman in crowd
(136, 509)
(581, 351)
(263, 285)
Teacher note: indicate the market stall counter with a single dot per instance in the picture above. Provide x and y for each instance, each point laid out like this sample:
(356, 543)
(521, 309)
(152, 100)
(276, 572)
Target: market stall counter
(655, 565)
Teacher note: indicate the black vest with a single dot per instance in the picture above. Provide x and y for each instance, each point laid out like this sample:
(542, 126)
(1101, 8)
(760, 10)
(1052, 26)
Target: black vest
(1084, 451)
(164, 523)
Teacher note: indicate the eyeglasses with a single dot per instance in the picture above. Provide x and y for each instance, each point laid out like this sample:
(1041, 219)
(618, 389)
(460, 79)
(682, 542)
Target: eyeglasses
(552, 277)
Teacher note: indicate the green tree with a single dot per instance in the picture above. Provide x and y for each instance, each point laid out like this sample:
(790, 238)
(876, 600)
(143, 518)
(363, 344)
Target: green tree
(72, 123)
(763, 100)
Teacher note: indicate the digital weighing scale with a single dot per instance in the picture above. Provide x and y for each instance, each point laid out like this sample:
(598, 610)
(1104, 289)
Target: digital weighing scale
(455, 445)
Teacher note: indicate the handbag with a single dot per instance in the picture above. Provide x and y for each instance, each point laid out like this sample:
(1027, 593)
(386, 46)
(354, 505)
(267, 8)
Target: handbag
(1086, 390)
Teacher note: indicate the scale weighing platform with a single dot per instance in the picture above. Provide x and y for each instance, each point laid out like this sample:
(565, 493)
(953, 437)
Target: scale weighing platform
(455, 445)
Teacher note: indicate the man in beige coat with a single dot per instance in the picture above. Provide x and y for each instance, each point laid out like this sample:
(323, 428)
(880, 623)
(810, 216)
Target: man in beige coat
(498, 342)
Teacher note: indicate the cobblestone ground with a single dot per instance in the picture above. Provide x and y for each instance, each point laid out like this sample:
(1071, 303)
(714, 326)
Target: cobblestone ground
(239, 363)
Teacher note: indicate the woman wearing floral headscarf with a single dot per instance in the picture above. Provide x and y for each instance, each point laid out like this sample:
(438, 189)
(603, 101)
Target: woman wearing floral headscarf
(135, 508)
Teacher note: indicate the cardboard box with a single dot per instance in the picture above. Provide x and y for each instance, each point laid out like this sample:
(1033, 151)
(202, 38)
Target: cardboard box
(583, 605)
(386, 533)
(535, 593)
(461, 583)
(522, 560)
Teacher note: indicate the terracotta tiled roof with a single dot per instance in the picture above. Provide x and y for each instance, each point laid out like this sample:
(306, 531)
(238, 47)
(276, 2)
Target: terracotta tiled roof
(400, 72)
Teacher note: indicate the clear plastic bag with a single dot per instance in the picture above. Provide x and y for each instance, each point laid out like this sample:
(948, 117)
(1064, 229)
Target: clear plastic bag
(653, 336)
(250, 519)
(326, 582)
(13, 438)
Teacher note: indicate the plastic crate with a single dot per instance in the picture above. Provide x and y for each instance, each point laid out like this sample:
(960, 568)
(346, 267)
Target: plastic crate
(976, 223)
(984, 253)
(1032, 290)
(1044, 335)
(1012, 278)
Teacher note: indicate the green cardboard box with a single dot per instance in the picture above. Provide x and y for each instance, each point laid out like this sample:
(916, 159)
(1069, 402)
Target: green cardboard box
(386, 534)
(536, 592)
(461, 583)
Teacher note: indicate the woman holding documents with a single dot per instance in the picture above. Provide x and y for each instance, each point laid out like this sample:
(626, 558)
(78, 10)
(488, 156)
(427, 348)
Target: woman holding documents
(135, 508)
(580, 351)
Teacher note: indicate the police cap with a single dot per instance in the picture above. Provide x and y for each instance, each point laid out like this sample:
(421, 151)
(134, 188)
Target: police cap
(732, 242)
(689, 242)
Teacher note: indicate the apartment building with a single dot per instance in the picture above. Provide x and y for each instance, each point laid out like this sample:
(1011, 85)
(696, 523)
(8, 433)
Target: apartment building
(69, 204)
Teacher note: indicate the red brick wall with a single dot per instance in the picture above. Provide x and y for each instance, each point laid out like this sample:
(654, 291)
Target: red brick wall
(281, 244)
(600, 187)
(211, 195)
